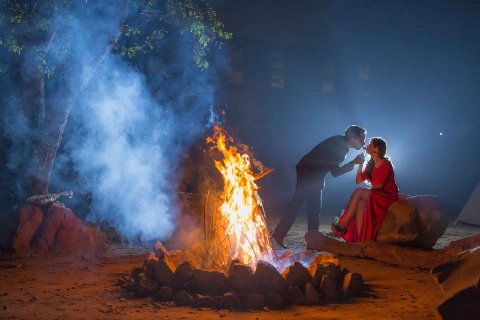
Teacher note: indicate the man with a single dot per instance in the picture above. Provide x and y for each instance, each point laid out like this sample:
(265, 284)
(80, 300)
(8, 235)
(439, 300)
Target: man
(311, 171)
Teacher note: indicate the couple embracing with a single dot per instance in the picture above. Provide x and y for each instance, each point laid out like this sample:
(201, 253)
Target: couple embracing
(367, 206)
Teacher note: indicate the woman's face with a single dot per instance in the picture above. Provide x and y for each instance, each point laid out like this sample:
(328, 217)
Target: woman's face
(371, 149)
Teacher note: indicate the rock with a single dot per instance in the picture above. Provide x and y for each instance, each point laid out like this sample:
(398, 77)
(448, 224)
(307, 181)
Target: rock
(311, 295)
(134, 274)
(145, 286)
(65, 233)
(164, 294)
(209, 282)
(160, 270)
(275, 301)
(296, 275)
(324, 259)
(231, 300)
(417, 221)
(462, 305)
(240, 277)
(306, 257)
(459, 280)
(352, 285)
(203, 301)
(331, 268)
(183, 298)
(267, 278)
(331, 288)
(255, 301)
(183, 275)
(295, 295)
(30, 220)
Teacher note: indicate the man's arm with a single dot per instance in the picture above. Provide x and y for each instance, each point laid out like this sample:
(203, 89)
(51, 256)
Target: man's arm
(338, 171)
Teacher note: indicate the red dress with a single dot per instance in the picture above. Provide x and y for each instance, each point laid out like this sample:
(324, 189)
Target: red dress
(376, 206)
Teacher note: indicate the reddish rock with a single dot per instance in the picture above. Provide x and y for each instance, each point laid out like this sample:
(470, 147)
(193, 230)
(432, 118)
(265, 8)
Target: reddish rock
(295, 295)
(296, 275)
(287, 258)
(209, 282)
(240, 276)
(65, 233)
(311, 295)
(267, 278)
(183, 298)
(183, 275)
(331, 289)
(231, 300)
(145, 286)
(164, 294)
(352, 284)
(275, 301)
(255, 301)
(200, 300)
(30, 220)
(160, 270)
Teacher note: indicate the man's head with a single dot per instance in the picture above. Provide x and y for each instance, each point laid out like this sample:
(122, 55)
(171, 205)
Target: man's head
(355, 136)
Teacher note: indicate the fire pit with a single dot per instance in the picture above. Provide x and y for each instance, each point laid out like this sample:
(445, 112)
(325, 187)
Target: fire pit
(235, 266)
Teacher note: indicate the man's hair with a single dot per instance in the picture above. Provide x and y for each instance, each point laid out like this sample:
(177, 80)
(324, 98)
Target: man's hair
(354, 131)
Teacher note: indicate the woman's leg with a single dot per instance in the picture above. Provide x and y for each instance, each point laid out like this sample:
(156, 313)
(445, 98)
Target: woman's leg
(357, 196)
(359, 214)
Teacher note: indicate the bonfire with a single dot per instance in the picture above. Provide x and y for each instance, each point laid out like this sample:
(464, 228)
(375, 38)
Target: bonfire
(239, 230)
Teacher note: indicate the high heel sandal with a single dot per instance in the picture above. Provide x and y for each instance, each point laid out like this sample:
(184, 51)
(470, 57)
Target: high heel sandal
(337, 230)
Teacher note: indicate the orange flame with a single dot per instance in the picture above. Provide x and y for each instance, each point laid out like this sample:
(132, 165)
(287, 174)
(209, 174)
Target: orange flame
(241, 214)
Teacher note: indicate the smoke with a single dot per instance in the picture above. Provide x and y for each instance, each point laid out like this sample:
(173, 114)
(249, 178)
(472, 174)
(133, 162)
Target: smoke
(129, 128)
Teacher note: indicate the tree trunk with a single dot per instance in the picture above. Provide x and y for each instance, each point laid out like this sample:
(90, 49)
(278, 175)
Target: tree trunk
(51, 132)
(389, 253)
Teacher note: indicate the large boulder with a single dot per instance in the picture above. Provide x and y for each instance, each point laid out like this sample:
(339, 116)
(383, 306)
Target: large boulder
(296, 275)
(30, 220)
(209, 282)
(58, 229)
(459, 280)
(240, 277)
(417, 221)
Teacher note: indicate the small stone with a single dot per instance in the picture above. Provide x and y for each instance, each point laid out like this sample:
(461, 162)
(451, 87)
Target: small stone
(160, 270)
(200, 300)
(275, 300)
(183, 298)
(330, 288)
(231, 300)
(311, 295)
(145, 286)
(209, 282)
(255, 301)
(183, 275)
(296, 275)
(352, 284)
(164, 293)
(295, 295)
(267, 278)
(240, 276)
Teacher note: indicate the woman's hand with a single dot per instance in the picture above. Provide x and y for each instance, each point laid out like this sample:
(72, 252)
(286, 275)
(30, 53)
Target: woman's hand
(359, 159)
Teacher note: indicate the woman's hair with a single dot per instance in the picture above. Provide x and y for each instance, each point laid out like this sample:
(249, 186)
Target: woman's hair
(381, 144)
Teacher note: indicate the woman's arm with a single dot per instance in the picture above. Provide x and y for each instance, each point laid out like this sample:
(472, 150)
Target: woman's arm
(360, 177)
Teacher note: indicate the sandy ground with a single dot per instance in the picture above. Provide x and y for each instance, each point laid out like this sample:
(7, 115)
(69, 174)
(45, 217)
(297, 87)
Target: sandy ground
(68, 288)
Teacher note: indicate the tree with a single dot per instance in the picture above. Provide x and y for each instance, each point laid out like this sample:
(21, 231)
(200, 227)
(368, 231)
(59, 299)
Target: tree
(37, 52)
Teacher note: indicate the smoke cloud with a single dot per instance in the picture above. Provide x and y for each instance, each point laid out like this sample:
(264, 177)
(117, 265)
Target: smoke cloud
(128, 129)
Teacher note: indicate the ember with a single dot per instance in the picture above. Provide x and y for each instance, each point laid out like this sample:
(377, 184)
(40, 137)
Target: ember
(240, 231)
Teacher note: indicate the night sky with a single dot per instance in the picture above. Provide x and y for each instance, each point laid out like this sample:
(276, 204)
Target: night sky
(408, 71)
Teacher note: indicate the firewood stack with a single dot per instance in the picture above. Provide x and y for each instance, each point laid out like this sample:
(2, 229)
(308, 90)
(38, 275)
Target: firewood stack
(322, 281)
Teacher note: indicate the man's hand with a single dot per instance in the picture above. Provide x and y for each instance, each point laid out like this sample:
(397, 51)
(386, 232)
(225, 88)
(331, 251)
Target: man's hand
(359, 159)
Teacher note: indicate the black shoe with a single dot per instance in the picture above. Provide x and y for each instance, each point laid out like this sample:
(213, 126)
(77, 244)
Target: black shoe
(337, 230)
(278, 240)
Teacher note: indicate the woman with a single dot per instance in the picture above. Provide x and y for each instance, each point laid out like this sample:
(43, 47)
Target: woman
(367, 207)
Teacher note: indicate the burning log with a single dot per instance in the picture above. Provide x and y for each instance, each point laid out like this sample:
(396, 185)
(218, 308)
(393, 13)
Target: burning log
(392, 254)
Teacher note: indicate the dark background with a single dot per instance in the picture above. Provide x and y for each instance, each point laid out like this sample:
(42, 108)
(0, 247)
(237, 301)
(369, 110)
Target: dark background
(409, 71)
